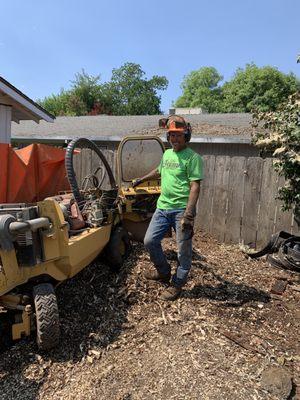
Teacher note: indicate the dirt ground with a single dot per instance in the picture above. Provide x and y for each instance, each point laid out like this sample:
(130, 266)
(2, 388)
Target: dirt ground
(120, 341)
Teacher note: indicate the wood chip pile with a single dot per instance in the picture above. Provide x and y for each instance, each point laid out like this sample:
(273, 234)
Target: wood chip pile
(227, 337)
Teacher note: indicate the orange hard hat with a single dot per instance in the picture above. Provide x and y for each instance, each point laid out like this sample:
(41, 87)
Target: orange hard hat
(176, 124)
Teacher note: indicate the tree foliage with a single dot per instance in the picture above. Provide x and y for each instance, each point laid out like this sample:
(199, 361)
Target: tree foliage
(257, 88)
(128, 93)
(200, 89)
(132, 94)
(281, 136)
(250, 88)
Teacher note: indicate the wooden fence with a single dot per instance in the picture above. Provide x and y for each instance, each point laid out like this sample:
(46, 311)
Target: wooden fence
(237, 202)
(86, 162)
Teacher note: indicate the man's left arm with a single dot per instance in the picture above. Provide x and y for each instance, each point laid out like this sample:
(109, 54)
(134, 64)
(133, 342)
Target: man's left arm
(193, 197)
(190, 211)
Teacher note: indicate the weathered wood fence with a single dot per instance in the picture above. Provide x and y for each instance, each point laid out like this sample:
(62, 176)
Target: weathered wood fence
(86, 162)
(237, 203)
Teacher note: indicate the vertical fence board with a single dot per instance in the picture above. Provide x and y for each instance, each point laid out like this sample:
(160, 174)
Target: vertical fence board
(91, 162)
(77, 165)
(98, 169)
(266, 220)
(85, 165)
(205, 197)
(109, 155)
(220, 197)
(235, 200)
(252, 185)
(283, 218)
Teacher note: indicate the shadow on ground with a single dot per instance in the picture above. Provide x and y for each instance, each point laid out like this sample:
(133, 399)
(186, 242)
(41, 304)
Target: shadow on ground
(229, 294)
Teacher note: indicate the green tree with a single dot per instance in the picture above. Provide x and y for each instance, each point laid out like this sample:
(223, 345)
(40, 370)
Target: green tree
(56, 104)
(281, 136)
(131, 94)
(128, 93)
(80, 99)
(200, 89)
(257, 88)
(85, 92)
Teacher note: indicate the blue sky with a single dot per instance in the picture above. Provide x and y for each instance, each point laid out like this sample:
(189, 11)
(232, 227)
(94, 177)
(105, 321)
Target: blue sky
(44, 43)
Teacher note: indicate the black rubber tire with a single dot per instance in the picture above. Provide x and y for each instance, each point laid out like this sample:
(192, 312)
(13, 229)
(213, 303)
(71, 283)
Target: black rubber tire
(47, 317)
(118, 248)
(84, 144)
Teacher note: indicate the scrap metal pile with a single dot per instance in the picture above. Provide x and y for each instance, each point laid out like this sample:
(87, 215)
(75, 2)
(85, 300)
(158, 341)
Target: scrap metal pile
(283, 251)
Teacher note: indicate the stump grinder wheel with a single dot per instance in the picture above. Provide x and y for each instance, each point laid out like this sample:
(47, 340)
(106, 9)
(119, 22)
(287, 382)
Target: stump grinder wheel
(47, 317)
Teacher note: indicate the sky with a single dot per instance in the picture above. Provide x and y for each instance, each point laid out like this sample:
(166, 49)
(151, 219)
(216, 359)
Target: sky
(43, 44)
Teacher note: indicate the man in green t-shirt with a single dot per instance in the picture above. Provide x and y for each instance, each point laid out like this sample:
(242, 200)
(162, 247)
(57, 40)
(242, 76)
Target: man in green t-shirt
(181, 170)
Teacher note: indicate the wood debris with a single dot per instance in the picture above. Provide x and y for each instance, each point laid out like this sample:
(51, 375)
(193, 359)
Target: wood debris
(120, 341)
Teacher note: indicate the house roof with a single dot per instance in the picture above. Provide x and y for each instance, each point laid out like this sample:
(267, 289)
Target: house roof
(23, 108)
(206, 127)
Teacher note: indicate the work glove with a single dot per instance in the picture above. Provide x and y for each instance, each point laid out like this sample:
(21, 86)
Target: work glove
(136, 182)
(187, 222)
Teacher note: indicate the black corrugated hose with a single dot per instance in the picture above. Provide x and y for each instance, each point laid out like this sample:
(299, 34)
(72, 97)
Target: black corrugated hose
(83, 143)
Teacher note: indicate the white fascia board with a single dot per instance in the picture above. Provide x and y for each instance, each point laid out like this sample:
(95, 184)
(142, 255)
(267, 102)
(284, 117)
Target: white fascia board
(117, 138)
(24, 102)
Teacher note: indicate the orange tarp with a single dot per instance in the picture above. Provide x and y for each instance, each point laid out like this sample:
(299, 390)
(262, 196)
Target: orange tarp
(32, 173)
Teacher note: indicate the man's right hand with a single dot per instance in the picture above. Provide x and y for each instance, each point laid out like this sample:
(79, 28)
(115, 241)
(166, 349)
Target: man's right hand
(136, 182)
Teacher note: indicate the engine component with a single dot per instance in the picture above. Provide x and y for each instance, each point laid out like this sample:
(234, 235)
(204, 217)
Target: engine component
(19, 229)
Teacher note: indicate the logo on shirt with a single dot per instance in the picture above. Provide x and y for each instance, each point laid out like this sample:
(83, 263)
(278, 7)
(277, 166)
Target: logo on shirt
(170, 164)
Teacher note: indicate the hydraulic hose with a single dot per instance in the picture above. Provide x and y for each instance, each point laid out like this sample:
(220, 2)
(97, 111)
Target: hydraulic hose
(83, 143)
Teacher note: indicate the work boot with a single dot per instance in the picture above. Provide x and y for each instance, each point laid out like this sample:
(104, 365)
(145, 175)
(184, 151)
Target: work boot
(154, 275)
(171, 293)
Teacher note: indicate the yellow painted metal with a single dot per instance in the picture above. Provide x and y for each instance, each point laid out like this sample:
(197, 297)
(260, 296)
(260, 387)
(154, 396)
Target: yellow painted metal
(133, 216)
(147, 187)
(64, 256)
(11, 300)
(120, 148)
(9, 273)
(22, 328)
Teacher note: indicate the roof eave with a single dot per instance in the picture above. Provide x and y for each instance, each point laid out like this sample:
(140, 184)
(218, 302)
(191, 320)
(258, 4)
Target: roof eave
(29, 105)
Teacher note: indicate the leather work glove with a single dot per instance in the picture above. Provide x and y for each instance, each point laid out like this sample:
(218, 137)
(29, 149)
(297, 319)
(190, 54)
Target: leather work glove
(187, 222)
(136, 182)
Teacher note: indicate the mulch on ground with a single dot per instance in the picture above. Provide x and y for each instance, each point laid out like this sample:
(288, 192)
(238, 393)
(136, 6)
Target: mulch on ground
(120, 341)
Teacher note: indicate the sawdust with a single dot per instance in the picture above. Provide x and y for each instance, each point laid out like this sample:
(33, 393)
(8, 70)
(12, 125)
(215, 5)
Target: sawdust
(120, 341)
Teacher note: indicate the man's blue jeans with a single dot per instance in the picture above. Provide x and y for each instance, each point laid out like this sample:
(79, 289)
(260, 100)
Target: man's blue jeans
(160, 223)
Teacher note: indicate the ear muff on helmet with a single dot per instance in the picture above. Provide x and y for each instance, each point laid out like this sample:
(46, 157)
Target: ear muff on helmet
(187, 133)
(176, 123)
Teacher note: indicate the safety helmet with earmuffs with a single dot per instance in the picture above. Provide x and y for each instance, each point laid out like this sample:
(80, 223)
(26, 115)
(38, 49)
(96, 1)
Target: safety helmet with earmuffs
(176, 123)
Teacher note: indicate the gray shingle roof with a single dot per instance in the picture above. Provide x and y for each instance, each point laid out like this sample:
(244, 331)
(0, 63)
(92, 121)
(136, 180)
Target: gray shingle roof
(103, 127)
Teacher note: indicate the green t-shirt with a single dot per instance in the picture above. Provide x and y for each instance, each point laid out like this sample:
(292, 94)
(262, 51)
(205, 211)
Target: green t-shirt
(177, 170)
